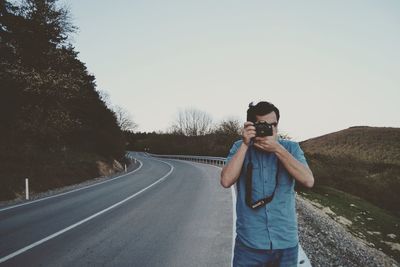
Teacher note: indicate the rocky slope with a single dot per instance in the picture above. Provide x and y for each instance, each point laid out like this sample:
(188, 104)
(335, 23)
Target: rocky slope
(327, 243)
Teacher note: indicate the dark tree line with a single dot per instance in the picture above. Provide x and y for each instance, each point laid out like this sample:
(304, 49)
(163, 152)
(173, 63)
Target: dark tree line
(211, 144)
(191, 134)
(54, 125)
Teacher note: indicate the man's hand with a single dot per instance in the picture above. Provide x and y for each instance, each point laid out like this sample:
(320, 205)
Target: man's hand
(248, 132)
(267, 143)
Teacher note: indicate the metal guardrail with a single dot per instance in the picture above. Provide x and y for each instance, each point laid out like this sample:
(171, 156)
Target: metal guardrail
(201, 159)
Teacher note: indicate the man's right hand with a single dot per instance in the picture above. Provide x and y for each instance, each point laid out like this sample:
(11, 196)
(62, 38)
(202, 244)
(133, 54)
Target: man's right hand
(231, 171)
(248, 132)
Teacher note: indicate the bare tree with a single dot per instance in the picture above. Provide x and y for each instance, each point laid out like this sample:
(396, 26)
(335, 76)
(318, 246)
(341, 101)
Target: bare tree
(124, 119)
(105, 97)
(284, 135)
(192, 122)
(230, 126)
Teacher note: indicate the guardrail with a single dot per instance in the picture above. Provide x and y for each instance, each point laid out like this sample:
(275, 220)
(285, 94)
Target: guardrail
(201, 159)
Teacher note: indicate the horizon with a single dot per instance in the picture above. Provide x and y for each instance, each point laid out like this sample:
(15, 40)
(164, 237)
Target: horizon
(336, 62)
(324, 134)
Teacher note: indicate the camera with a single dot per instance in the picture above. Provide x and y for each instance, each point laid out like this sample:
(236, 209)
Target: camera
(263, 128)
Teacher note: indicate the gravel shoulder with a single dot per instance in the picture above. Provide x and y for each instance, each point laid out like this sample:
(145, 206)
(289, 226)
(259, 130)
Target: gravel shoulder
(327, 243)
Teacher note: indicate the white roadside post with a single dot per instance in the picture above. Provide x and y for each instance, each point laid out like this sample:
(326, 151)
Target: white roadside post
(26, 189)
(125, 167)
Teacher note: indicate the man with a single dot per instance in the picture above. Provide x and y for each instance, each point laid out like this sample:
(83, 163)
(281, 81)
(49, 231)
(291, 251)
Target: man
(264, 169)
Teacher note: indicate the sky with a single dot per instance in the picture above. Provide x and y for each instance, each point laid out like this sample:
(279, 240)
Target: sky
(327, 65)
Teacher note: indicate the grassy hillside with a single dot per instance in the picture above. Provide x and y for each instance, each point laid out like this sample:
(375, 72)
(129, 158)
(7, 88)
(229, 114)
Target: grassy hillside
(370, 144)
(363, 161)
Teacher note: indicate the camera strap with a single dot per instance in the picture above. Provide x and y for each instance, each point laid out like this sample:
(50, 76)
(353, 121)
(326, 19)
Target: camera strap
(249, 185)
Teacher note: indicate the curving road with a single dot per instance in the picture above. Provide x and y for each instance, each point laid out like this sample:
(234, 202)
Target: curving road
(164, 213)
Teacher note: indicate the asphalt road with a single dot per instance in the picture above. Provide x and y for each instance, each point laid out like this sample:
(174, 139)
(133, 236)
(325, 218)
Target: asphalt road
(166, 213)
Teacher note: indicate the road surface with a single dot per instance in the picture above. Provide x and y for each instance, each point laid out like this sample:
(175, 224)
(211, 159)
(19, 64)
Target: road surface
(165, 213)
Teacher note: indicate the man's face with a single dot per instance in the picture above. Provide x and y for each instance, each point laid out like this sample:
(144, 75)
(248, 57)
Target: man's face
(270, 118)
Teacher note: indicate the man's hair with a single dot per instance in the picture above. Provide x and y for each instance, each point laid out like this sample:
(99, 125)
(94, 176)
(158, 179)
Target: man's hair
(262, 108)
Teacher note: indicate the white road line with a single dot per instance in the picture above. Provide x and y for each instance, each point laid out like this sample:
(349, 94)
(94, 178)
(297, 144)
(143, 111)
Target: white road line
(75, 190)
(234, 190)
(22, 250)
(234, 194)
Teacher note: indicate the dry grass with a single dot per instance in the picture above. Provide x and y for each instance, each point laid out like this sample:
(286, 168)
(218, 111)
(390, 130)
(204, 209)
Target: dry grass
(363, 161)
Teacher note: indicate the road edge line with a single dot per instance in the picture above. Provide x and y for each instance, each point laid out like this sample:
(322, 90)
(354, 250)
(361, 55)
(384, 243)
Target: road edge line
(26, 248)
(74, 190)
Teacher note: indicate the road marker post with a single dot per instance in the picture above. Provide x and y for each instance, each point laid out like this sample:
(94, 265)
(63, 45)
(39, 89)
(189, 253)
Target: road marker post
(26, 189)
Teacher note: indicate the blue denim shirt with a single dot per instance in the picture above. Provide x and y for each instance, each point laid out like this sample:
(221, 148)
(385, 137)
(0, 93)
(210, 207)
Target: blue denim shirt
(273, 226)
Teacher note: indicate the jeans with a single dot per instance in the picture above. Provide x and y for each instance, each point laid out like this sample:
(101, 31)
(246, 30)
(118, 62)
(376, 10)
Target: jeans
(245, 256)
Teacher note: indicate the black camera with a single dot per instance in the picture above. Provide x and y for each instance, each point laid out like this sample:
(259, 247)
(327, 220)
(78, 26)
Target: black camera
(263, 128)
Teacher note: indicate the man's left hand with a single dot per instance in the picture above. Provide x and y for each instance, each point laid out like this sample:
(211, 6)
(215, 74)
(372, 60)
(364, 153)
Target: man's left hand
(267, 143)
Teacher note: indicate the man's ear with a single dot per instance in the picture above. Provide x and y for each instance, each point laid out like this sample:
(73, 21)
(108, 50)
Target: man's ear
(275, 132)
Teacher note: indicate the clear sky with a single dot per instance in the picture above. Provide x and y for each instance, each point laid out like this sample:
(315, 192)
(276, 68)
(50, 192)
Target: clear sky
(327, 65)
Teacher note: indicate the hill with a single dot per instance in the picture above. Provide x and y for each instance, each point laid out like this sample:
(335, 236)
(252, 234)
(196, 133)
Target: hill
(373, 144)
(363, 161)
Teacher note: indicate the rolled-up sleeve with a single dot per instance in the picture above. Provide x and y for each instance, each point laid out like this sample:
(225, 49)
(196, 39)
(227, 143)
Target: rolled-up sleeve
(298, 153)
(233, 151)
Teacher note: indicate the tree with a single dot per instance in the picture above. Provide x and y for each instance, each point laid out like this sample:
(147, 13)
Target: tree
(124, 119)
(105, 97)
(51, 114)
(33, 30)
(192, 122)
(230, 126)
(51, 21)
(284, 135)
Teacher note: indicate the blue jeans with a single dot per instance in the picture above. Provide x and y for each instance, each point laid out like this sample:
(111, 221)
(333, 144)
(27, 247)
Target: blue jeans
(245, 256)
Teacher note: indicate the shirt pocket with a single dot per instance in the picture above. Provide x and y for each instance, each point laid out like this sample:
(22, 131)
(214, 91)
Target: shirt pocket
(256, 168)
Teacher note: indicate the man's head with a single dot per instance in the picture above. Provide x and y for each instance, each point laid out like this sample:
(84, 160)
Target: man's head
(260, 110)
(261, 113)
